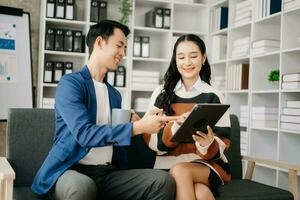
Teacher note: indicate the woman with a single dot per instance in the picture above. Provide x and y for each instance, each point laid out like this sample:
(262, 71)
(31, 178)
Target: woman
(198, 168)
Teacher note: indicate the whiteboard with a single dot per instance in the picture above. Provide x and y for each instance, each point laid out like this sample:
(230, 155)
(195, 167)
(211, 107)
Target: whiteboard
(15, 63)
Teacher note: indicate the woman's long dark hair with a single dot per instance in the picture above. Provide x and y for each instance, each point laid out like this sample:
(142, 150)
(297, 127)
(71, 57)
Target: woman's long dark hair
(172, 75)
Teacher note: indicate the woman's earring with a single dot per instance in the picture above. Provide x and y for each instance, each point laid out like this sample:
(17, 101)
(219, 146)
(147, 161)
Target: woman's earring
(203, 64)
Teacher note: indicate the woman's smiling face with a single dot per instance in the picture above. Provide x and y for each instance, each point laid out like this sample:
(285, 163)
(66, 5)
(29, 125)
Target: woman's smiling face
(189, 60)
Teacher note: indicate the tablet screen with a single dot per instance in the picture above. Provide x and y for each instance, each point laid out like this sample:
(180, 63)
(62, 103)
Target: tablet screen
(200, 116)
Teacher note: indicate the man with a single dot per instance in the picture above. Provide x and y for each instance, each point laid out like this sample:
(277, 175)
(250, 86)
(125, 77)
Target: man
(85, 146)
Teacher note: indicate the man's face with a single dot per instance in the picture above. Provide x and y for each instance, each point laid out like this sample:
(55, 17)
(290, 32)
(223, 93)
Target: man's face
(113, 50)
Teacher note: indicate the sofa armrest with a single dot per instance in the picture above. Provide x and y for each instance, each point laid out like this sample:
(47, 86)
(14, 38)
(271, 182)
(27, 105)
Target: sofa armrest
(7, 176)
(292, 171)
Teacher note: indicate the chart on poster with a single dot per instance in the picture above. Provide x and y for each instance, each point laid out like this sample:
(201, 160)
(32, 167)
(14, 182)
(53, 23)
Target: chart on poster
(15, 61)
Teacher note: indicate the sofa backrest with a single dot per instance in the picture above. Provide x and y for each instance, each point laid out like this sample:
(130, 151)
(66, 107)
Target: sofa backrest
(30, 134)
(29, 137)
(234, 152)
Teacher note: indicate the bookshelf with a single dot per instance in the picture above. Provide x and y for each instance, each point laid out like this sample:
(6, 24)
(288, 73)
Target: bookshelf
(272, 141)
(266, 140)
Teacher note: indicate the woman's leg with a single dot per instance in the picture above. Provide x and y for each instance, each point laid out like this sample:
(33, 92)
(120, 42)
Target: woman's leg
(185, 175)
(203, 192)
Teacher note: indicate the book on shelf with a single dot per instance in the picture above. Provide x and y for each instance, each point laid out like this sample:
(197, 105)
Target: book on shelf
(263, 50)
(144, 86)
(293, 104)
(264, 123)
(291, 77)
(294, 85)
(237, 76)
(266, 43)
(290, 126)
(265, 109)
(291, 111)
(143, 79)
(145, 73)
(243, 15)
(291, 4)
(290, 119)
(242, 21)
(265, 116)
(219, 46)
(219, 19)
(243, 4)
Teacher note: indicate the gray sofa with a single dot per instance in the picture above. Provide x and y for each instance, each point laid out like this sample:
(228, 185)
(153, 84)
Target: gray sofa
(30, 135)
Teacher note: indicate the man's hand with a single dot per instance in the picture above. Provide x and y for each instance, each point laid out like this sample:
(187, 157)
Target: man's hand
(152, 121)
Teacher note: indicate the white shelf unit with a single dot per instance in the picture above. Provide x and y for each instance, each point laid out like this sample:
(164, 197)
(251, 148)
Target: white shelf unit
(182, 21)
(186, 17)
(270, 142)
(81, 23)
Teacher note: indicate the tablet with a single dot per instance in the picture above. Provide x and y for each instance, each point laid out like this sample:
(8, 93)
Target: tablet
(200, 116)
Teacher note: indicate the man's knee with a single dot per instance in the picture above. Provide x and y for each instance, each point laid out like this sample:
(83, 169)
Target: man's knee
(73, 185)
(163, 184)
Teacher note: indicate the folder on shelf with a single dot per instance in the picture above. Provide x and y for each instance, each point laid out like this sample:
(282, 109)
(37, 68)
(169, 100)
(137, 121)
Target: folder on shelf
(102, 10)
(166, 18)
(60, 9)
(137, 46)
(78, 39)
(48, 72)
(70, 9)
(120, 76)
(154, 18)
(145, 46)
(94, 11)
(59, 40)
(58, 71)
(68, 67)
(50, 8)
(49, 39)
(68, 40)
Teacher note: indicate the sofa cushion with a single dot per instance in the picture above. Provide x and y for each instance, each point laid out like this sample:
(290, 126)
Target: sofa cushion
(251, 190)
(23, 193)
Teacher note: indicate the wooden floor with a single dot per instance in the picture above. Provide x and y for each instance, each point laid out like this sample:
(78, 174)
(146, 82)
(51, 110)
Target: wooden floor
(2, 138)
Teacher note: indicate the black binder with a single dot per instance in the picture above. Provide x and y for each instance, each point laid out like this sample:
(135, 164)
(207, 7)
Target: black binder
(50, 8)
(137, 46)
(68, 67)
(77, 45)
(166, 18)
(68, 41)
(154, 18)
(145, 46)
(58, 71)
(59, 40)
(70, 9)
(102, 10)
(48, 72)
(94, 11)
(49, 39)
(120, 76)
(60, 9)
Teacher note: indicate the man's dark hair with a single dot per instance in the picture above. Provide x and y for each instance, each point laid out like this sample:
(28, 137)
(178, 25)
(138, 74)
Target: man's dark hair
(105, 29)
